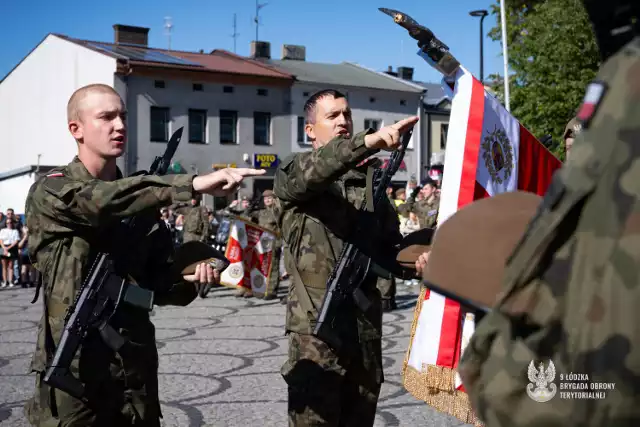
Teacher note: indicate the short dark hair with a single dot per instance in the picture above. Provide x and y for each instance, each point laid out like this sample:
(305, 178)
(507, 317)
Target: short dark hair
(310, 105)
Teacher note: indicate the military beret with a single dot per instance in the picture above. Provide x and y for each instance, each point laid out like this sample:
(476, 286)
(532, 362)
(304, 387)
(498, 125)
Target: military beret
(267, 193)
(413, 245)
(572, 129)
(470, 249)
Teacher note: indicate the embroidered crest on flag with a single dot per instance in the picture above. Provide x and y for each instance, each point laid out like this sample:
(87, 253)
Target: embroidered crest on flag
(497, 153)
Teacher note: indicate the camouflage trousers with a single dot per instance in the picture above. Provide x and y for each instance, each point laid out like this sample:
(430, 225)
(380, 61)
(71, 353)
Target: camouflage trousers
(330, 390)
(387, 288)
(274, 278)
(113, 409)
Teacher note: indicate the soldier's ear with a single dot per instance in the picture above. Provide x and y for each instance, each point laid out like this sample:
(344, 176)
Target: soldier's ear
(76, 130)
(309, 130)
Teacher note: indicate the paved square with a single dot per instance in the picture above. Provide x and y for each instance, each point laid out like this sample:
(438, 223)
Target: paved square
(220, 362)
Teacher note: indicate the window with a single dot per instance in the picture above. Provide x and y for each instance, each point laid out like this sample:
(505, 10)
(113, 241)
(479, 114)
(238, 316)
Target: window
(305, 94)
(302, 135)
(228, 127)
(198, 126)
(263, 92)
(261, 128)
(159, 119)
(444, 129)
(372, 99)
(159, 84)
(197, 87)
(374, 124)
(403, 102)
(227, 89)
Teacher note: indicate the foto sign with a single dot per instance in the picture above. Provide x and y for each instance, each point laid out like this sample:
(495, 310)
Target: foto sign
(265, 161)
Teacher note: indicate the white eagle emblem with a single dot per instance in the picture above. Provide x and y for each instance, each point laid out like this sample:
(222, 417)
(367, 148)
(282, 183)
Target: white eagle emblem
(544, 388)
(497, 153)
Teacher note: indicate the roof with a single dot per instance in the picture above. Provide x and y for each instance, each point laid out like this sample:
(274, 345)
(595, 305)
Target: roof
(435, 93)
(220, 61)
(24, 170)
(343, 74)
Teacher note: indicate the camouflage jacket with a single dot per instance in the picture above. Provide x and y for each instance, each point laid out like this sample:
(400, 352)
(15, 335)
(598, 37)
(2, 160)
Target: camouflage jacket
(71, 216)
(320, 193)
(572, 285)
(267, 218)
(196, 221)
(426, 211)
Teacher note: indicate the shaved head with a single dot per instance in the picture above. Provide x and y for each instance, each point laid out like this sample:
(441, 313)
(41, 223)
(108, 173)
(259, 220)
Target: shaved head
(75, 104)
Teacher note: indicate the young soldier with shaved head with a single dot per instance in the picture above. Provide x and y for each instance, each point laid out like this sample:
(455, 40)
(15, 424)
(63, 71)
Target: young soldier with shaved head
(75, 212)
(321, 192)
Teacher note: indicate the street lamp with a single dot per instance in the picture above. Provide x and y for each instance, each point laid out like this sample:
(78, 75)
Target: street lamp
(481, 14)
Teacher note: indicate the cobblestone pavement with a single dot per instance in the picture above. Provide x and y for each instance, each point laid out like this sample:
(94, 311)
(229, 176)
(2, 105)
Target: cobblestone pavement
(219, 362)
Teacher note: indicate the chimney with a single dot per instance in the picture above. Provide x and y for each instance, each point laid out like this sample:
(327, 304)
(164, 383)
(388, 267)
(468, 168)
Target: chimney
(405, 73)
(293, 52)
(391, 72)
(128, 34)
(260, 50)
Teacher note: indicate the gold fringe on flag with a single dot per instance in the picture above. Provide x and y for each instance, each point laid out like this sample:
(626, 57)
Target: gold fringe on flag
(435, 385)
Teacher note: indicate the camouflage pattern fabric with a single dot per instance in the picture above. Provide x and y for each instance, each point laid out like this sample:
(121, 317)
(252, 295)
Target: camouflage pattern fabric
(320, 193)
(71, 216)
(330, 390)
(196, 223)
(572, 285)
(426, 210)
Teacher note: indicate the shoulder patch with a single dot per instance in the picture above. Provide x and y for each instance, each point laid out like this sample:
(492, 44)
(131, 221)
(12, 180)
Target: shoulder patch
(592, 98)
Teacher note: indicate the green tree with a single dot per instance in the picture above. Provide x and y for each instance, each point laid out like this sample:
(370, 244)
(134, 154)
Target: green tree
(553, 55)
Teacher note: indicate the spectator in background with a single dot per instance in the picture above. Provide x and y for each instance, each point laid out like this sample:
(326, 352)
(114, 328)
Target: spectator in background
(9, 239)
(28, 276)
(3, 220)
(572, 130)
(17, 224)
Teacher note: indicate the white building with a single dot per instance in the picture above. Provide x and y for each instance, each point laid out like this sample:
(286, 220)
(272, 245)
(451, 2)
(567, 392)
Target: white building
(235, 110)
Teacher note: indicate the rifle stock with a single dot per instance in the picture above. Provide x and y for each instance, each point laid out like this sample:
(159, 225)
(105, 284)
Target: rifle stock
(352, 266)
(98, 299)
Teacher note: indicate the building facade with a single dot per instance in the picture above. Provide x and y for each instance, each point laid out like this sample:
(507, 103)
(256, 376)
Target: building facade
(236, 111)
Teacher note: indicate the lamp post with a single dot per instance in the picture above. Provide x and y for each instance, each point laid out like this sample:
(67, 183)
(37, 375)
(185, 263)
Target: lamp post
(481, 14)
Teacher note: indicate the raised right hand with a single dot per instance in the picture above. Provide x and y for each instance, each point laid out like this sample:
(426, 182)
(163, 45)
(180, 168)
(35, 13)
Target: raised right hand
(224, 181)
(389, 137)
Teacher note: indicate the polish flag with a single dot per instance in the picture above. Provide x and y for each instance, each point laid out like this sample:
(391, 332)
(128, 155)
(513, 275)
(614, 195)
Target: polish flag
(488, 152)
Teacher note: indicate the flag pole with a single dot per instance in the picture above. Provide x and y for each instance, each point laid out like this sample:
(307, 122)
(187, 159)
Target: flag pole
(505, 55)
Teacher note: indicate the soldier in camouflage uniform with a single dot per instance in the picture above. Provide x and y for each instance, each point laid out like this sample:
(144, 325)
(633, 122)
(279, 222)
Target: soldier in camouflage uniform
(426, 208)
(572, 285)
(73, 213)
(320, 192)
(267, 217)
(196, 221)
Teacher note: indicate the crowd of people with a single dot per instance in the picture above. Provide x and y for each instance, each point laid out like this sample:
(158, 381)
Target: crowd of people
(16, 265)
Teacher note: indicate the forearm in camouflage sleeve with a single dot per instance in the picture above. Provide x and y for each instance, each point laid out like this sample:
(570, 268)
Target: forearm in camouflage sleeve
(96, 202)
(310, 173)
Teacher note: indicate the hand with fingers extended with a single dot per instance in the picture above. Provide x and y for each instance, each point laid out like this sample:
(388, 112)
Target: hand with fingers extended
(224, 181)
(203, 278)
(389, 137)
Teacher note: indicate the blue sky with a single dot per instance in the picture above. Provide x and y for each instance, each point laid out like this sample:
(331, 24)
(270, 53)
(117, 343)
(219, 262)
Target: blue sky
(332, 30)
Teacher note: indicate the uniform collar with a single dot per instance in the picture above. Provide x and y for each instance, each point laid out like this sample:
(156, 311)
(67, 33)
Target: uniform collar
(77, 170)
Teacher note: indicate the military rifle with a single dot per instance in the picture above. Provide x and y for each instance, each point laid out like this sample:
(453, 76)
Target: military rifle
(100, 295)
(353, 266)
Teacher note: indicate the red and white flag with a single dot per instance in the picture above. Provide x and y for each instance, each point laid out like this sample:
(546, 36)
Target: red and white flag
(488, 152)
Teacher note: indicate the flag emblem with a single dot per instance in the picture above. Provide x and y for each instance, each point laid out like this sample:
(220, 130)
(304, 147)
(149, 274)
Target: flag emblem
(497, 153)
(592, 98)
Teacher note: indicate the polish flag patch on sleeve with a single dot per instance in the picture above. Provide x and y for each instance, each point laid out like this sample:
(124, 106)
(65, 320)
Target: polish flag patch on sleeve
(592, 98)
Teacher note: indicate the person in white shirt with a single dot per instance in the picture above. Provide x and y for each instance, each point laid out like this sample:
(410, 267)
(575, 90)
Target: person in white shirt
(9, 239)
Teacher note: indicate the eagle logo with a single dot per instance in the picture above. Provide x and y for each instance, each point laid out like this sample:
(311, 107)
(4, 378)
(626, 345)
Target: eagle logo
(541, 389)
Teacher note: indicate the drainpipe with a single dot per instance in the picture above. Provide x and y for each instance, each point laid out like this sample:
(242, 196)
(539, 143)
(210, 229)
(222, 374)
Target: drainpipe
(420, 139)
